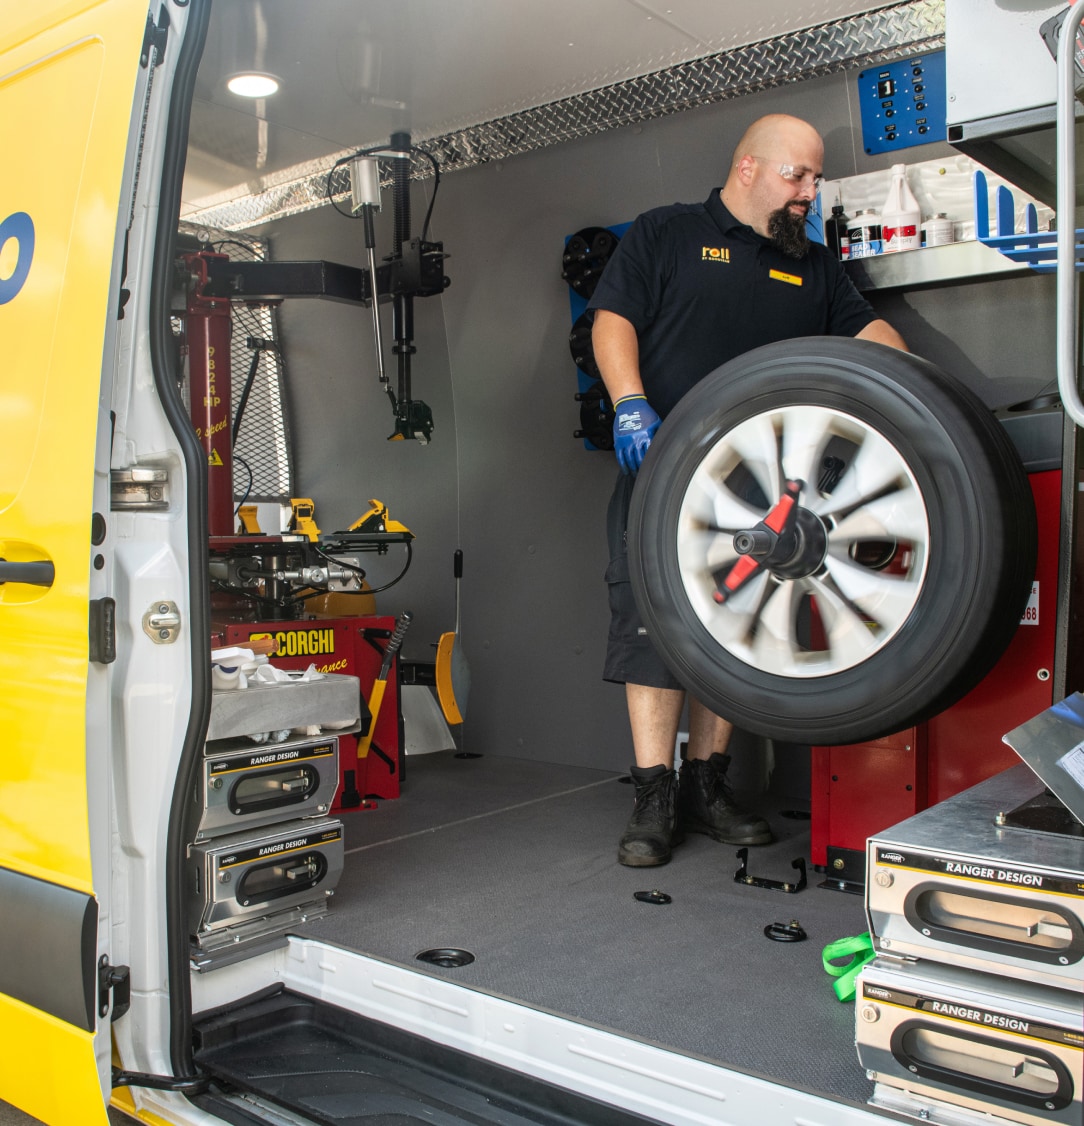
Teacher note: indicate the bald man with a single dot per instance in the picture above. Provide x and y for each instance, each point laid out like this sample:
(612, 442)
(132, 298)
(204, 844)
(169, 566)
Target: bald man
(690, 287)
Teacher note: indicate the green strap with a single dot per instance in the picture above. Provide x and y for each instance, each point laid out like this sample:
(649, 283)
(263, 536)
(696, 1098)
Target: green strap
(858, 950)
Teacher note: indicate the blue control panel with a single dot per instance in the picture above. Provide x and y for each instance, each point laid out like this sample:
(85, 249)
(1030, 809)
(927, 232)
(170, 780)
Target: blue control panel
(903, 103)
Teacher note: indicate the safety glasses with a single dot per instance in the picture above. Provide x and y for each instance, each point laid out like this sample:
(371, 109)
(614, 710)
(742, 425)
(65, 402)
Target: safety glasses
(797, 174)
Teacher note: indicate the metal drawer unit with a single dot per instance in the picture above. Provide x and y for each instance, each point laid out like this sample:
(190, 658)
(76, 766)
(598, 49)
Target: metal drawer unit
(245, 787)
(951, 1045)
(266, 858)
(251, 888)
(953, 885)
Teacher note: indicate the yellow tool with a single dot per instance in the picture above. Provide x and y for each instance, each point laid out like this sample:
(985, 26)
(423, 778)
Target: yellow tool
(452, 670)
(250, 525)
(381, 682)
(377, 520)
(301, 518)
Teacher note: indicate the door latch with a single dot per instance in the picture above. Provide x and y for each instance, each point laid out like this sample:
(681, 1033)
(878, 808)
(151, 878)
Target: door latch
(154, 39)
(115, 979)
(162, 622)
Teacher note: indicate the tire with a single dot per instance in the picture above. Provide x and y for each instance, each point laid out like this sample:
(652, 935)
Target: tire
(899, 578)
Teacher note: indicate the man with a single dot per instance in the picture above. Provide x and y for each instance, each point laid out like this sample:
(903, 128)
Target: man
(689, 287)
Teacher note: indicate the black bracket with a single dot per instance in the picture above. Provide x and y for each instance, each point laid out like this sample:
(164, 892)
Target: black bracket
(115, 980)
(785, 932)
(656, 896)
(741, 876)
(154, 38)
(185, 1085)
(385, 758)
(417, 272)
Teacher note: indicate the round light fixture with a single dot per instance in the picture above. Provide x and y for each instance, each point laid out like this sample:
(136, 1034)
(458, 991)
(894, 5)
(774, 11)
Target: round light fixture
(253, 84)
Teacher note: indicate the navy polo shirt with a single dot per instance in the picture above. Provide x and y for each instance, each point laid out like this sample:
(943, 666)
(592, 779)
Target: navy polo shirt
(701, 288)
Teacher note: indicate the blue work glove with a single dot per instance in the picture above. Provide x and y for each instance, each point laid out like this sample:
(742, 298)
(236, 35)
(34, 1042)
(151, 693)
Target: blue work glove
(635, 424)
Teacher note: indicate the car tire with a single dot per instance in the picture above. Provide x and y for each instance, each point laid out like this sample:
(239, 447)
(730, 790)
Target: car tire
(902, 573)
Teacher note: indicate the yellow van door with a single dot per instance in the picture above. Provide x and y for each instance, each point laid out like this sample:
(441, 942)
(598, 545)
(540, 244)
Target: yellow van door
(68, 73)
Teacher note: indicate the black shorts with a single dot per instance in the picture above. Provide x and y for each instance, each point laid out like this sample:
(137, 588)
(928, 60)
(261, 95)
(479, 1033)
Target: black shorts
(630, 656)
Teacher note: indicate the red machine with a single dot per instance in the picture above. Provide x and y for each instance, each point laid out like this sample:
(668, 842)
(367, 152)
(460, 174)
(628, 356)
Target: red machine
(860, 790)
(261, 582)
(354, 647)
(207, 339)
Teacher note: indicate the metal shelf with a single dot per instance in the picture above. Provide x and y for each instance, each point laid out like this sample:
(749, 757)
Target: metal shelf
(933, 265)
(332, 701)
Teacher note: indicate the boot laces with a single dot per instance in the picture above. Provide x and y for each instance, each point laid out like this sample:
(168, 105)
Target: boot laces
(654, 797)
(717, 787)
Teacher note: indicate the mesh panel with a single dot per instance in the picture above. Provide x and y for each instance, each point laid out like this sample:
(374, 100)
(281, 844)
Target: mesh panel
(262, 448)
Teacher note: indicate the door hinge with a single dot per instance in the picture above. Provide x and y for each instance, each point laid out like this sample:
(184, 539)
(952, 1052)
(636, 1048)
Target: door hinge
(103, 630)
(115, 980)
(154, 39)
(139, 489)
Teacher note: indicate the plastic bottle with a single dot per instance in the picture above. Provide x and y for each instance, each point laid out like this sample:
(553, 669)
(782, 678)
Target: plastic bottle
(901, 216)
(837, 233)
(865, 234)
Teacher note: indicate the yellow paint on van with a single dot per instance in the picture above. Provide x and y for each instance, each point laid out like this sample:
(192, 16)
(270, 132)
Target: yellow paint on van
(68, 72)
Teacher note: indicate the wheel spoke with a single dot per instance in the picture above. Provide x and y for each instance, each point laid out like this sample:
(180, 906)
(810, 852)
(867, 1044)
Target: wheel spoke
(887, 599)
(776, 642)
(850, 639)
(711, 504)
(705, 549)
(898, 515)
(732, 623)
(757, 446)
(805, 434)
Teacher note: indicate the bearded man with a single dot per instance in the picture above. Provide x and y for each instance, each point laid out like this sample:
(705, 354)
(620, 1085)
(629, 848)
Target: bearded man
(690, 287)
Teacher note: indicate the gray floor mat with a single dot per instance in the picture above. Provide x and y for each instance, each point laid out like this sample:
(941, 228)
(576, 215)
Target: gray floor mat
(516, 862)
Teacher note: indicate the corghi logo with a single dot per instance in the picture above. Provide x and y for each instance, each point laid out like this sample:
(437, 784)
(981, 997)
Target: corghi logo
(301, 642)
(16, 244)
(715, 254)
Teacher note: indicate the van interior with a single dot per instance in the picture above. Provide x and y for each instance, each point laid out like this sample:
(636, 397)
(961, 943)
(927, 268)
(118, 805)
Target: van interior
(476, 143)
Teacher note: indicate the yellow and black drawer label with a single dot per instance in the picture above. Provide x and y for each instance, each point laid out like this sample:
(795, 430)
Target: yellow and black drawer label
(280, 848)
(285, 757)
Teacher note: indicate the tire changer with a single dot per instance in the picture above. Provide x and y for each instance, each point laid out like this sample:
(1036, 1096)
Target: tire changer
(280, 758)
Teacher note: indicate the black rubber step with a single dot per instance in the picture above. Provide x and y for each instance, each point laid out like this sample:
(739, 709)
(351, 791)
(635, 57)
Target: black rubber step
(338, 1069)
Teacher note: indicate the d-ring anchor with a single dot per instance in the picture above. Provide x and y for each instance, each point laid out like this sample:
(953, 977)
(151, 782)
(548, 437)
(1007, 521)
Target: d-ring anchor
(741, 876)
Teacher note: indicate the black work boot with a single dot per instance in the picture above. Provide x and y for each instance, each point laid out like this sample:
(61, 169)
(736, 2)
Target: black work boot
(706, 805)
(651, 829)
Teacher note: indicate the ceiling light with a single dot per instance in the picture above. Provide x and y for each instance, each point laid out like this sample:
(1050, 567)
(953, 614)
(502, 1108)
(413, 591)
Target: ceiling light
(253, 84)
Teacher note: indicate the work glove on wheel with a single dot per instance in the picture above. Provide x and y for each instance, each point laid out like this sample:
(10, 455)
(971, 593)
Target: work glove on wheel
(635, 423)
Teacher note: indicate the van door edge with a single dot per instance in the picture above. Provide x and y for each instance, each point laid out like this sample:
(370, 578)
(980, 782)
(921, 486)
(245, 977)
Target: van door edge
(163, 361)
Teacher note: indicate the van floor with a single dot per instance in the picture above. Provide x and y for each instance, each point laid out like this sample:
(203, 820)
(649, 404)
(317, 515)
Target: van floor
(515, 861)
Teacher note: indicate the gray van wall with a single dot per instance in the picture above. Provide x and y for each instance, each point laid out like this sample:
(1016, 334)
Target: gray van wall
(503, 478)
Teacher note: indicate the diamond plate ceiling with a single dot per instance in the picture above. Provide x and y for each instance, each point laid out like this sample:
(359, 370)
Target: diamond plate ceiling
(475, 80)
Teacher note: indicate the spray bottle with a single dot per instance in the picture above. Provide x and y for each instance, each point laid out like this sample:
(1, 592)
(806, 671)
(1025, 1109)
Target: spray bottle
(901, 217)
